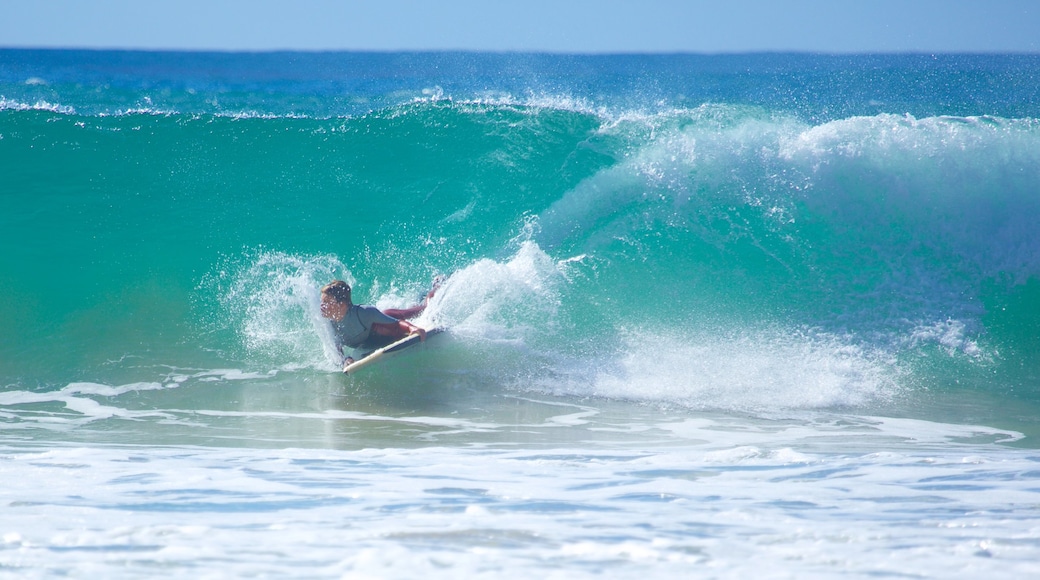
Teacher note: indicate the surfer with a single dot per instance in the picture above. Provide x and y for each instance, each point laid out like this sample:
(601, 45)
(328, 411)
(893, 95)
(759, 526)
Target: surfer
(366, 327)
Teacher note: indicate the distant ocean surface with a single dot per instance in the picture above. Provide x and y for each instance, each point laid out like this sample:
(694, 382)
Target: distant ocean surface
(772, 316)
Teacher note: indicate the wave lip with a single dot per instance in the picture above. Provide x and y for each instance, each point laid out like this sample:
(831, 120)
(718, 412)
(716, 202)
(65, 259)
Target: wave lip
(14, 105)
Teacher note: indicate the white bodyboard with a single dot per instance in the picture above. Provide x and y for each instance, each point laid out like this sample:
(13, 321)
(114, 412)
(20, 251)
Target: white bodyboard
(380, 353)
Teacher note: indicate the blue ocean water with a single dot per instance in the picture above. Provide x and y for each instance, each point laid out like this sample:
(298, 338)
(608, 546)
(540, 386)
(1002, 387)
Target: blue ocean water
(711, 315)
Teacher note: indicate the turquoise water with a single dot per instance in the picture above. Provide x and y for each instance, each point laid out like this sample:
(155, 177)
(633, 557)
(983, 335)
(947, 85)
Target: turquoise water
(691, 300)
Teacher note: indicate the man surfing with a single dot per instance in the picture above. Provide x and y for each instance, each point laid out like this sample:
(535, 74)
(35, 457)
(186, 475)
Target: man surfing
(366, 327)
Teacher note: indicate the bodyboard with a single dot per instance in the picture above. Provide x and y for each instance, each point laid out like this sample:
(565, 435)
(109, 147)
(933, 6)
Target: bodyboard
(392, 348)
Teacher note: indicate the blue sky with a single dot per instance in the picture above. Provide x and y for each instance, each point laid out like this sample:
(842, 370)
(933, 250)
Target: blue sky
(583, 26)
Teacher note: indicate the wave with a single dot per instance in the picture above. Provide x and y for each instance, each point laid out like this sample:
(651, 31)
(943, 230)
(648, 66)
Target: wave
(719, 255)
(887, 221)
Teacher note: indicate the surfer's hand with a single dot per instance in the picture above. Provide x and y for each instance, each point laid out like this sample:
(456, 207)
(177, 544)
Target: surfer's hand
(347, 362)
(421, 332)
(437, 281)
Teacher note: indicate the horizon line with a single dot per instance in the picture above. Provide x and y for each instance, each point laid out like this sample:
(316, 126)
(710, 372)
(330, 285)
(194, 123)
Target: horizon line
(807, 52)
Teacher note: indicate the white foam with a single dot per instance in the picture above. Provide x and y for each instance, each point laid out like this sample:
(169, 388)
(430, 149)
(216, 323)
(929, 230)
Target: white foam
(274, 305)
(71, 391)
(101, 390)
(747, 371)
(488, 296)
(438, 422)
(80, 410)
(560, 512)
(950, 335)
(7, 104)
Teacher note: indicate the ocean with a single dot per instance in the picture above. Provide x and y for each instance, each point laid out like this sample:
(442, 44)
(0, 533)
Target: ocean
(719, 316)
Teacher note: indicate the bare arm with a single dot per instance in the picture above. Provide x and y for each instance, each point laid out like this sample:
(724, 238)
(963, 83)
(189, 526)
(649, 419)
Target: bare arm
(410, 313)
(399, 330)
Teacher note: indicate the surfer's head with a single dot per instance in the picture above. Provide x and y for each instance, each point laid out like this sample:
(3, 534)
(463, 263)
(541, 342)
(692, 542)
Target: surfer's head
(335, 299)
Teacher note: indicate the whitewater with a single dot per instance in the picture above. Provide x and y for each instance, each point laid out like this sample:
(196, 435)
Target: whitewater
(714, 316)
